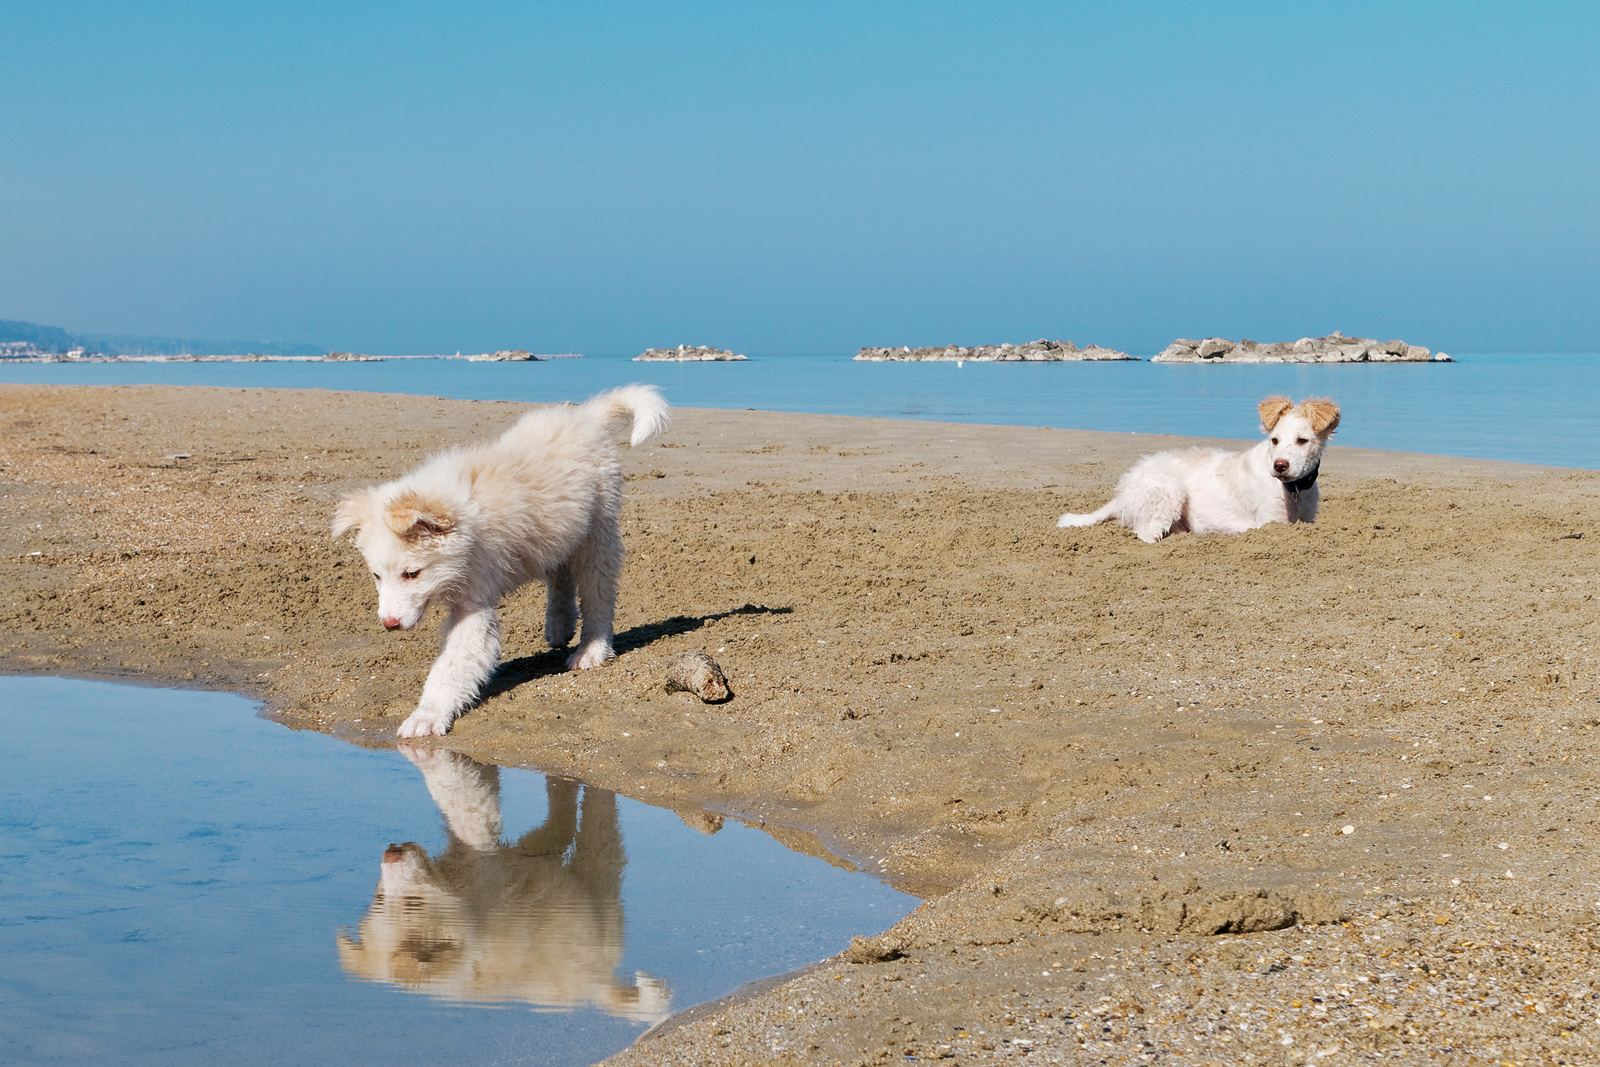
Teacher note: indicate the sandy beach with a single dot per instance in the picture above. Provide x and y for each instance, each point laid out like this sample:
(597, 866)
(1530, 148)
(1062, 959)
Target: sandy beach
(1308, 794)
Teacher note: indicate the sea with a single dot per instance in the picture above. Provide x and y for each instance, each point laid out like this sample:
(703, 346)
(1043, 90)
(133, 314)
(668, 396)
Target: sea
(1522, 407)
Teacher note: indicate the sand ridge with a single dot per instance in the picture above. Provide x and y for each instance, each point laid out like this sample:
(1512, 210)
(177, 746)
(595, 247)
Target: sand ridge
(1111, 768)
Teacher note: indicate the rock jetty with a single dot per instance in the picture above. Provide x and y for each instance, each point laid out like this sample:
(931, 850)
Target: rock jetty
(1040, 351)
(349, 357)
(684, 354)
(1334, 348)
(510, 355)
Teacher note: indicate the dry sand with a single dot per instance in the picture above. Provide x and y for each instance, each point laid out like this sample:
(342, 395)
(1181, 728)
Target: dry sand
(1118, 773)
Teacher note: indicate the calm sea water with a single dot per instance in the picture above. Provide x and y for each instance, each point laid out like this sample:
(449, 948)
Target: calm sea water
(1526, 408)
(182, 882)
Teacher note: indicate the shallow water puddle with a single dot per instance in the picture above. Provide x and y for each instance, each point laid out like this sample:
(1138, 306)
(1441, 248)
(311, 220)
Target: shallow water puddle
(183, 882)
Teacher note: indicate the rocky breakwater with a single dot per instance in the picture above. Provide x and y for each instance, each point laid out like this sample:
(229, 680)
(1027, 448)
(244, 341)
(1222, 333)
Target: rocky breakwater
(1334, 348)
(684, 354)
(507, 355)
(1040, 351)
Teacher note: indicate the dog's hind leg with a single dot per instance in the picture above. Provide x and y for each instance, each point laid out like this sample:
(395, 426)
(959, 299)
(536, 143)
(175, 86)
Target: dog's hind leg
(561, 607)
(1159, 511)
(471, 651)
(597, 566)
(598, 859)
(560, 826)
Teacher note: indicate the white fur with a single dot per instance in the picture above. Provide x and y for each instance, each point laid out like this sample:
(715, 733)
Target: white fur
(537, 921)
(472, 524)
(1207, 490)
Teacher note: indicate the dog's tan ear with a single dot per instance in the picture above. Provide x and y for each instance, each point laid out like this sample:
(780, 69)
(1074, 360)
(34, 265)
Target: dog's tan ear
(1322, 413)
(352, 510)
(411, 516)
(1272, 409)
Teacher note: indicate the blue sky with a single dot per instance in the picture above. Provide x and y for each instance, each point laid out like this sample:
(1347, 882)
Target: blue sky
(792, 179)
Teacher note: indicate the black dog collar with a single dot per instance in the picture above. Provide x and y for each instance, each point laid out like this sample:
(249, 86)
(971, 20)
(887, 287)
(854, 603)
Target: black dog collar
(1300, 485)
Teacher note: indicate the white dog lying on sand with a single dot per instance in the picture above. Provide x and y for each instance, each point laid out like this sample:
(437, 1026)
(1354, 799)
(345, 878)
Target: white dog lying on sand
(1207, 490)
(472, 524)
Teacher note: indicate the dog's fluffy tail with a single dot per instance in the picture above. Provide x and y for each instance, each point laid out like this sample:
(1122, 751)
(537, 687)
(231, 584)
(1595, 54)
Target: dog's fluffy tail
(640, 406)
(1091, 519)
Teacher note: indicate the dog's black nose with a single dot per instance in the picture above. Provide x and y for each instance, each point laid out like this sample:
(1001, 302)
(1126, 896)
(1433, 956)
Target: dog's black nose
(1280, 465)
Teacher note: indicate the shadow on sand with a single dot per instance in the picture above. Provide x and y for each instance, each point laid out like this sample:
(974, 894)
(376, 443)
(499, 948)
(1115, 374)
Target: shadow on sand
(514, 672)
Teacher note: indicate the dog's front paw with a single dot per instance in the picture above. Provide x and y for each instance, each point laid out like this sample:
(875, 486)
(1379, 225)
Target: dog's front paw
(594, 654)
(424, 724)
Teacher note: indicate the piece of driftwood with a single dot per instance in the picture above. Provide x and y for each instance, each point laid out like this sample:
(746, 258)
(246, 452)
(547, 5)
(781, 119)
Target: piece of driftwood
(698, 673)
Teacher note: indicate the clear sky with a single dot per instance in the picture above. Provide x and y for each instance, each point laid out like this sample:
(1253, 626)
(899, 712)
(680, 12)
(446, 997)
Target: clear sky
(803, 177)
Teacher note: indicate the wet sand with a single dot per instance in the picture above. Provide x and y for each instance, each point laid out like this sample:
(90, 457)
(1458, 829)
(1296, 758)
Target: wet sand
(1120, 774)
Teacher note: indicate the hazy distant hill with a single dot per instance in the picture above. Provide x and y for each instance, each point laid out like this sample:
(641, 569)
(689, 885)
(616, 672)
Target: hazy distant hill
(55, 339)
(45, 338)
(126, 345)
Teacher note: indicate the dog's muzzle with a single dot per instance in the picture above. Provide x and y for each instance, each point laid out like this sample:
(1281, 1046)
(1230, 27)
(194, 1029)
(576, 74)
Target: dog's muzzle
(1301, 484)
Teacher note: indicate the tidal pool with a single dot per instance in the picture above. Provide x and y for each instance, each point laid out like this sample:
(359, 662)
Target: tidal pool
(182, 881)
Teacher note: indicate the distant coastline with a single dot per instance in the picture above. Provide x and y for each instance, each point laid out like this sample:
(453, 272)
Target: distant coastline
(79, 356)
(30, 342)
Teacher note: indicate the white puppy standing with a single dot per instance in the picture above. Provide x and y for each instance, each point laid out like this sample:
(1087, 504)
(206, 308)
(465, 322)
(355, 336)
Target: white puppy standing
(472, 524)
(1207, 490)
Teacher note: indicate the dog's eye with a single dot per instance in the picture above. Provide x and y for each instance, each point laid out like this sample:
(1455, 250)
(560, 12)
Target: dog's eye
(1299, 440)
(408, 575)
(1274, 440)
(376, 578)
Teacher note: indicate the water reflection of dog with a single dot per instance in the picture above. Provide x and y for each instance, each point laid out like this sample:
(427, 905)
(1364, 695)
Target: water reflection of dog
(538, 921)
